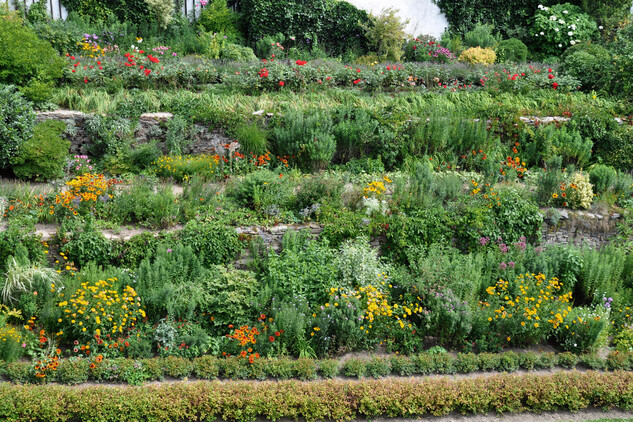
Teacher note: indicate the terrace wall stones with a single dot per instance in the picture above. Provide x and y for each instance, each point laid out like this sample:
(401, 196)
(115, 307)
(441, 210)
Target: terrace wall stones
(150, 126)
(562, 226)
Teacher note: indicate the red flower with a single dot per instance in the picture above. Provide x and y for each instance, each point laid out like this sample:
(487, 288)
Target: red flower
(271, 338)
(281, 83)
(555, 85)
(549, 70)
(356, 81)
(550, 76)
(141, 52)
(301, 62)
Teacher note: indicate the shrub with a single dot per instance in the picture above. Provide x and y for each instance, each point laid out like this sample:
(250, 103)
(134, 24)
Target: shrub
(162, 11)
(585, 331)
(231, 293)
(385, 33)
(26, 60)
(217, 17)
(43, 157)
(591, 64)
(511, 51)
(354, 367)
(177, 367)
(87, 244)
(16, 123)
(581, 194)
(602, 177)
(213, 242)
(481, 36)
(237, 53)
(402, 365)
(328, 368)
(378, 367)
(306, 369)
(478, 55)
(557, 27)
(72, 371)
(206, 367)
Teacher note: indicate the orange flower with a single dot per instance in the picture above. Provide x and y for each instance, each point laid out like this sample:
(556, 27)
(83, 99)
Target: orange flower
(243, 353)
(92, 366)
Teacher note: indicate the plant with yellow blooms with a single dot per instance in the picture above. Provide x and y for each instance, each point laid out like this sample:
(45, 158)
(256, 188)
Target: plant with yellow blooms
(528, 309)
(99, 309)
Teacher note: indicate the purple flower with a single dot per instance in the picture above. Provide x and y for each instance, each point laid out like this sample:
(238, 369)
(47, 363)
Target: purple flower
(503, 248)
(511, 264)
(503, 266)
(483, 241)
(168, 250)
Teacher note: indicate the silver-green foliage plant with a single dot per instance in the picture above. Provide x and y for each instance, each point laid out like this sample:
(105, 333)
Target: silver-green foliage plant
(358, 263)
(162, 10)
(20, 279)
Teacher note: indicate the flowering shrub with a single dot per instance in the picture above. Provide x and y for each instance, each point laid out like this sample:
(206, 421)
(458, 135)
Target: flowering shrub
(526, 310)
(83, 193)
(97, 309)
(581, 193)
(478, 55)
(560, 26)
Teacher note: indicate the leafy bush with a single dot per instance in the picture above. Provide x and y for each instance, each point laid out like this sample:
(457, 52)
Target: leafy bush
(88, 244)
(602, 177)
(511, 51)
(237, 53)
(217, 17)
(16, 123)
(215, 243)
(481, 36)
(581, 194)
(27, 61)
(161, 10)
(478, 55)
(591, 64)
(260, 190)
(43, 157)
(557, 27)
(232, 293)
(385, 33)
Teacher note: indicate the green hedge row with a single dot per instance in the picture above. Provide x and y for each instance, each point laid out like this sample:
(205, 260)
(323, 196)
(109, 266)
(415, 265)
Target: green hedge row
(328, 400)
(135, 372)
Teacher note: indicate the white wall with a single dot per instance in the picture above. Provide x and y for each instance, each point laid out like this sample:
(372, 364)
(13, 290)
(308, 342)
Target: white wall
(424, 16)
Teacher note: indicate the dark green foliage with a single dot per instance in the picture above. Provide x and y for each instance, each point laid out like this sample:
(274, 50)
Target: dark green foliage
(123, 10)
(214, 242)
(43, 157)
(481, 36)
(330, 24)
(87, 244)
(16, 123)
(231, 296)
(511, 51)
(26, 60)
(591, 64)
(602, 177)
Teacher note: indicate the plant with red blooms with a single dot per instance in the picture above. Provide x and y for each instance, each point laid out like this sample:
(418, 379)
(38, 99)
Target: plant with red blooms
(301, 62)
(251, 342)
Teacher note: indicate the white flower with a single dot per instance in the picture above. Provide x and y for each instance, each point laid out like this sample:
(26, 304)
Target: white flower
(556, 29)
(540, 6)
(565, 11)
(570, 33)
(546, 8)
(560, 45)
(542, 33)
(573, 26)
(562, 22)
(572, 42)
(553, 18)
(600, 27)
(536, 35)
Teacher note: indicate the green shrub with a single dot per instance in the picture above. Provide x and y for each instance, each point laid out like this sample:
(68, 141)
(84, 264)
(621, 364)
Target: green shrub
(546, 360)
(72, 371)
(280, 368)
(16, 123)
(385, 33)
(511, 51)
(552, 31)
(234, 368)
(213, 242)
(602, 177)
(567, 360)
(586, 332)
(88, 244)
(43, 157)
(528, 360)
(206, 367)
(260, 190)
(108, 134)
(237, 53)
(177, 367)
(27, 61)
(591, 64)
(481, 36)
(378, 367)
(354, 367)
(328, 368)
(306, 369)
(20, 372)
(402, 365)
(231, 293)
(217, 17)
(466, 362)
(592, 361)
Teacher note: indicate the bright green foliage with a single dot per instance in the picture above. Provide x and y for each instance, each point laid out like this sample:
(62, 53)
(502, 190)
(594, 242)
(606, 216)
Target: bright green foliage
(43, 157)
(16, 123)
(215, 243)
(385, 33)
(511, 51)
(602, 177)
(561, 26)
(231, 293)
(26, 60)
(216, 17)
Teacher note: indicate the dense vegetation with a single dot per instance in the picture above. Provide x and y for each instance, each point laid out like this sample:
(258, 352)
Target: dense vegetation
(417, 161)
